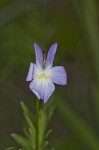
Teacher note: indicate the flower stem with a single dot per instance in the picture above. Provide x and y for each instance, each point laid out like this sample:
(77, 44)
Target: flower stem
(37, 124)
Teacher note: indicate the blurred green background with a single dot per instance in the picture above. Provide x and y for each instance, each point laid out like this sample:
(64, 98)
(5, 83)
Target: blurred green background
(74, 25)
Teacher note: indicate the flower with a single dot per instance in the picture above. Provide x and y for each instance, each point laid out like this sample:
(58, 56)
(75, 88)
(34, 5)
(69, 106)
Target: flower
(43, 75)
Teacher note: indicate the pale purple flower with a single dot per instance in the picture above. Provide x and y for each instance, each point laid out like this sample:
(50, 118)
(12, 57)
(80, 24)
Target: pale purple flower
(43, 75)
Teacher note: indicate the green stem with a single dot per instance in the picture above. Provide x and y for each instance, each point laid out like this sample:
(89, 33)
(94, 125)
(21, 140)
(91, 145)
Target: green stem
(37, 124)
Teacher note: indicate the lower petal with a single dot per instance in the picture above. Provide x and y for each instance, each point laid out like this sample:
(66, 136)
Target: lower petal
(59, 75)
(36, 93)
(43, 89)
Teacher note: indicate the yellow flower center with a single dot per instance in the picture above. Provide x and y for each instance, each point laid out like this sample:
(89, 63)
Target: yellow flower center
(42, 76)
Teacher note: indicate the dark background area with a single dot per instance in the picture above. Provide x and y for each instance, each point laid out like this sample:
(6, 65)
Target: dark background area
(74, 25)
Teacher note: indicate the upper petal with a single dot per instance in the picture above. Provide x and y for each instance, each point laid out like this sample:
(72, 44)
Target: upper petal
(43, 89)
(51, 55)
(30, 72)
(59, 75)
(39, 55)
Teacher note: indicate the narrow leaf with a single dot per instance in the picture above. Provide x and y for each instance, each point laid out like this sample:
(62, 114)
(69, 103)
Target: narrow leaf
(48, 133)
(10, 148)
(78, 126)
(22, 141)
(30, 131)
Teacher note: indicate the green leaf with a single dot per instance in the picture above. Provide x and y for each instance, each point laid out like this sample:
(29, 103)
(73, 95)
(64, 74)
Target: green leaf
(48, 133)
(95, 94)
(10, 148)
(81, 129)
(53, 148)
(51, 111)
(90, 29)
(26, 111)
(42, 125)
(22, 141)
(46, 143)
(30, 131)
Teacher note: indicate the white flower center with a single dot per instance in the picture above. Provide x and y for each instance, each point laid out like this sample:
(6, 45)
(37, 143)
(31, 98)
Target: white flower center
(42, 74)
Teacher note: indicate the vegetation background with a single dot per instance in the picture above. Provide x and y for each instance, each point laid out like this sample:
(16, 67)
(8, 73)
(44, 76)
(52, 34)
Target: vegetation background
(74, 24)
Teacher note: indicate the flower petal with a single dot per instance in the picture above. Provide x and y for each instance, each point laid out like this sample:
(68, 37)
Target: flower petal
(39, 55)
(30, 72)
(51, 55)
(43, 89)
(59, 75)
